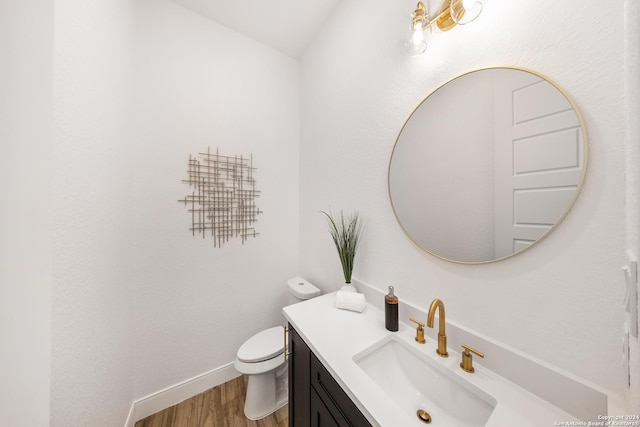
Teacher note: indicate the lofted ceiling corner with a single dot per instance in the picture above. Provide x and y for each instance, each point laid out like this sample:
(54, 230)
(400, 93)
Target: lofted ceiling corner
(285, 25)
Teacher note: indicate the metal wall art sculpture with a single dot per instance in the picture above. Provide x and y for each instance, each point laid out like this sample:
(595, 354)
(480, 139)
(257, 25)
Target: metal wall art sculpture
(222, 202)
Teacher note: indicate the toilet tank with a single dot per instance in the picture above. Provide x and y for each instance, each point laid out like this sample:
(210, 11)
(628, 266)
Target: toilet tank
(300, 290)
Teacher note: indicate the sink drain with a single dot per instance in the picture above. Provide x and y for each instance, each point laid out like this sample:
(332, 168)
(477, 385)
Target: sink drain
(424, 416)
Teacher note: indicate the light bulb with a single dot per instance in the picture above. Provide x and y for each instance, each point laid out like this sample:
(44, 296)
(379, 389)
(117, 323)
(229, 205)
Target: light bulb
(417, 35)
(417, 42)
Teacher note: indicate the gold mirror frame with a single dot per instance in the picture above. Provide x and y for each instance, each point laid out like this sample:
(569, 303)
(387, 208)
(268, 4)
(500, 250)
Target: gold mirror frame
(570, 204)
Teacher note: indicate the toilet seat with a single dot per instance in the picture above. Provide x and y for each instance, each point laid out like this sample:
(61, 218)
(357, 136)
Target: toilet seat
(259, 367)
(262, 346)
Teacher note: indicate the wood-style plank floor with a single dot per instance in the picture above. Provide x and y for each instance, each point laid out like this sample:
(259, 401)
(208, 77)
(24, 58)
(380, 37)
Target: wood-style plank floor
(221, 406)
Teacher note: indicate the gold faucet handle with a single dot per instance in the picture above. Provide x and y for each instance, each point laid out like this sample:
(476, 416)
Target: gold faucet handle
(419, 331)
(467, 358)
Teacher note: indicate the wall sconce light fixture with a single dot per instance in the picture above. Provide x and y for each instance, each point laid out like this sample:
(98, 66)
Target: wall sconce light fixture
(451, 13)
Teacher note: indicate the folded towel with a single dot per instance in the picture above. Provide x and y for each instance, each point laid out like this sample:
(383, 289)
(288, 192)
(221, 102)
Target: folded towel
(351, 301)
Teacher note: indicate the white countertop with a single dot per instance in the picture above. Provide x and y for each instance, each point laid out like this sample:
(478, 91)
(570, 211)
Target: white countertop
(335, 336)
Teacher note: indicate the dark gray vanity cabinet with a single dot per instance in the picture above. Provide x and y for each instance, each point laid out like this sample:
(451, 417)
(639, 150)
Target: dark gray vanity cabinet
(315, 398)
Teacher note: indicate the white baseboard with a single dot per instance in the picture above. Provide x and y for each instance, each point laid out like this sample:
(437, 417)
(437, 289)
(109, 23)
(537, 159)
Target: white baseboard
(177, 393)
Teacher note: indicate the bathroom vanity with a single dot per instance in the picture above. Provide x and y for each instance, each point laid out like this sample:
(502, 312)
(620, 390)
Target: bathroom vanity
(346, 369)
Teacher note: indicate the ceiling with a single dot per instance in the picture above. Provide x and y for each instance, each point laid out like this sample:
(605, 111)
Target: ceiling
(285, 25)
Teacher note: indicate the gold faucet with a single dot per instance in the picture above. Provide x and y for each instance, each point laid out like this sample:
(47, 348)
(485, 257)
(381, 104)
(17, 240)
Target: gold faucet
(442, 336)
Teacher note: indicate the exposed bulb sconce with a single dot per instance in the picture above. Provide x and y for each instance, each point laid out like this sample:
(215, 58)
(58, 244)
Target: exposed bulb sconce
(420, 29)
(451, 13)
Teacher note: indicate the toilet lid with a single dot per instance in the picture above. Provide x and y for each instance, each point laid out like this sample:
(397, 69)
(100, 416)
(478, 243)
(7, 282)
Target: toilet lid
(263, 345)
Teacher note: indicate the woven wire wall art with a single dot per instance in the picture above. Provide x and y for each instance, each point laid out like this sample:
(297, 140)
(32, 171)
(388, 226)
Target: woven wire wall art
(223, 196)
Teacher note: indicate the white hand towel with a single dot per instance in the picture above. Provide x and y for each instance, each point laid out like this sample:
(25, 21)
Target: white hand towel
(351, 301)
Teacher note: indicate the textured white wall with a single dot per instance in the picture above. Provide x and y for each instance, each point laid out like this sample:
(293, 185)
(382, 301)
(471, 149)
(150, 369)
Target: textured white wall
(559, 301)
(202, 85)
(91, 315)
(26, 55)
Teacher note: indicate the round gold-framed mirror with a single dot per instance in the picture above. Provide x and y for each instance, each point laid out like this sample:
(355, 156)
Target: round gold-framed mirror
(487, 165)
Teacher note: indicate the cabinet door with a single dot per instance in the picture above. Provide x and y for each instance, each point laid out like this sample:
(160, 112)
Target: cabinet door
(344, 411)
(320, 415)
(299, 381)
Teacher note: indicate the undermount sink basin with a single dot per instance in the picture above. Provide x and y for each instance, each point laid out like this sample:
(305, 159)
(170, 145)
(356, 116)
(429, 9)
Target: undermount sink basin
(416, 383)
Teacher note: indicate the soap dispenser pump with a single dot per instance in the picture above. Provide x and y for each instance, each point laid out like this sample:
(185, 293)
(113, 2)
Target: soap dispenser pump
(391, 311)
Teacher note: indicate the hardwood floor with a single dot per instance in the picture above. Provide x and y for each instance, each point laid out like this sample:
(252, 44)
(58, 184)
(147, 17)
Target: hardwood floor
(221, 406)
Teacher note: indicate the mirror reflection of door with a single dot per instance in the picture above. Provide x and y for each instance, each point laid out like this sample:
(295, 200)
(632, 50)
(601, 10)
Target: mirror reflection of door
(538, 160)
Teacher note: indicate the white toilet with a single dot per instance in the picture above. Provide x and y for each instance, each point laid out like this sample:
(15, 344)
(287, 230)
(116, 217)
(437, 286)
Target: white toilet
(262, 359)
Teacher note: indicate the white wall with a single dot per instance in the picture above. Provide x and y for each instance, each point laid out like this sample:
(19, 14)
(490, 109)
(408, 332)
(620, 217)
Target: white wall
(92, 365)
(202, 85)
(101, 108)
(26, 54)
(559, 301)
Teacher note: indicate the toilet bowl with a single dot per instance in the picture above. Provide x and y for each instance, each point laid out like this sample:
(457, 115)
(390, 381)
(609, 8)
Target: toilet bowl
(263, 360)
